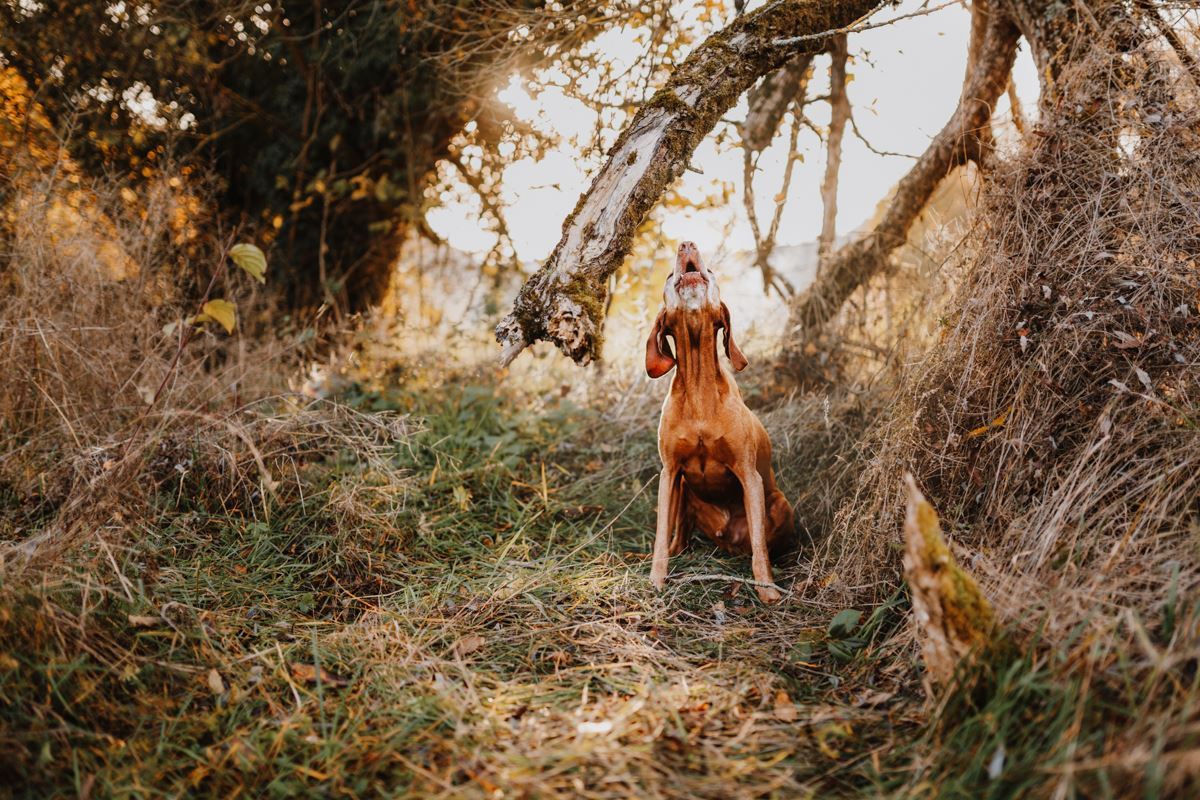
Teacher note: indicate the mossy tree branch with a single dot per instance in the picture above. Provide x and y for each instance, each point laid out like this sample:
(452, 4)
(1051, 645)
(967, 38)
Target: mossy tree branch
(953, 619)
(769, 101)
(564, 301)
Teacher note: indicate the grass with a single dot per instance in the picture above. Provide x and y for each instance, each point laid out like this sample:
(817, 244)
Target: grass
(500, 635)
(497, 637)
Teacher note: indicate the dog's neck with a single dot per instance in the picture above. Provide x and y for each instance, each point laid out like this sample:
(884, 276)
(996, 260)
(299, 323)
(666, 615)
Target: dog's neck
(699, 378)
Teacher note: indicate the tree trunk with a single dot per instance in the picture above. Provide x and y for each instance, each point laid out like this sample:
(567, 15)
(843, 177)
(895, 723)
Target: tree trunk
(957, 142)
(839, 113)
(564, 301)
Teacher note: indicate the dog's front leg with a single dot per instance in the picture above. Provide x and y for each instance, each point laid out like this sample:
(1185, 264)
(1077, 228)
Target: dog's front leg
(756, 511)
(662, 531)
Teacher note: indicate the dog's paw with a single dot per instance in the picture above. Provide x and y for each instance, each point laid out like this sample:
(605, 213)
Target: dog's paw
(768, 594)
(658, 578)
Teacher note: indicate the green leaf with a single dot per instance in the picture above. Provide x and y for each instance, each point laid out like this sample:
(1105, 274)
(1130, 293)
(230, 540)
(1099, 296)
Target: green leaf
(222, 312)
(844, 623)
(801, 653)
(251, 259)
(845, 650)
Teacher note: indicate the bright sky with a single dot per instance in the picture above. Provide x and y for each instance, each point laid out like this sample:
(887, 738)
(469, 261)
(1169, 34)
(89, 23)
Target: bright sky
(906, 81)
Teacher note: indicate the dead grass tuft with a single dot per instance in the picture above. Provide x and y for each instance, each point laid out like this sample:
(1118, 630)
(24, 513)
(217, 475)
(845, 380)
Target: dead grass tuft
(1054, 423)
(96, 415)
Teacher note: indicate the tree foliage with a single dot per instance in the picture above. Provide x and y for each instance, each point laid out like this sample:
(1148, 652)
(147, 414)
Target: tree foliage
(322, 120)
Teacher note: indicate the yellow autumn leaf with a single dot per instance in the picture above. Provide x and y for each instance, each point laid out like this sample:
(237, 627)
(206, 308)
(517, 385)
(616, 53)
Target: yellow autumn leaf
(998, 422)
(222, 312)
(215, 684)
(785, 709)
(251, 259)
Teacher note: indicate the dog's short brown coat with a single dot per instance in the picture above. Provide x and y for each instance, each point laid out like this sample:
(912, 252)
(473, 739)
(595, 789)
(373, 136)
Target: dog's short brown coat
(716, 455)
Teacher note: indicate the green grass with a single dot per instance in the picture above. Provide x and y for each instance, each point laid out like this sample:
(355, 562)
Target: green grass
(496, 636)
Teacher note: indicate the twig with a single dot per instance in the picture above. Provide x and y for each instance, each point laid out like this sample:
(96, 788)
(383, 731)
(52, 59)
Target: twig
(858, 28)
(1014, 104)
(888, 153)
(735, 578)
(839, 112)
(1189, 62)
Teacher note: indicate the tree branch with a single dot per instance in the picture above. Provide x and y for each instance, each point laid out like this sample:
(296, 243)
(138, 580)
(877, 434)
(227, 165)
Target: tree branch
(862, 25)
(564, 301)
(767, 104)
(958, 142)
(770, 99)
(1188, 61)
(839, 112)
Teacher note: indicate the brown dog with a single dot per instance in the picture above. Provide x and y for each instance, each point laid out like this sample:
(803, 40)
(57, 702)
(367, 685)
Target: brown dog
(716, 456)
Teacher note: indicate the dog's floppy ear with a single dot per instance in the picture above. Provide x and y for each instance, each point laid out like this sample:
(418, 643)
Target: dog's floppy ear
(732, 351)
(659, 358)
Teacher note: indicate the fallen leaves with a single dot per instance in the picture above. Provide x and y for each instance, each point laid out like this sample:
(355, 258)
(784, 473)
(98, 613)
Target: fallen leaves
(998, 422)
(468, 644)
(785, 709)
(215, 684)
(308, 673)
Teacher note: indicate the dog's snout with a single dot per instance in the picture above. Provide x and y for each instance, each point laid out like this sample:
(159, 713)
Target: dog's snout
(688, 259)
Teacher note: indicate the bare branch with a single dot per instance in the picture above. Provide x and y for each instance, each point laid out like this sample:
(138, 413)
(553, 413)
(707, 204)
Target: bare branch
(487, 197)
(765, 245)
(839, 105)
(768, 102)
(856, 28)
(564, 300)
(867, 144)
(955, 144)
(1014, 103)
(1190, 64)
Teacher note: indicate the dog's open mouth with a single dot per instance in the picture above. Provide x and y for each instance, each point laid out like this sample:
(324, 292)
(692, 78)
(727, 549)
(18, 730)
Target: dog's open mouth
(690, 273)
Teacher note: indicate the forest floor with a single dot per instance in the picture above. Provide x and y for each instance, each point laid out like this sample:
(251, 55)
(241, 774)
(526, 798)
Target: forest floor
(498, 637)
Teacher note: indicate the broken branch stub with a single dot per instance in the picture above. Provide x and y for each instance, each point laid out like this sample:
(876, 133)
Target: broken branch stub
(564, 301)
(769, 100)
(953, 618)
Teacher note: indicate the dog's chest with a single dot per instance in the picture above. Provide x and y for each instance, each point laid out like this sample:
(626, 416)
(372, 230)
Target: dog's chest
(703, 463)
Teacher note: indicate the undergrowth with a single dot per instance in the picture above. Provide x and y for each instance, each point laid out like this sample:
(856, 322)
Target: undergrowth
(434, 582)
(500, 635)
(500, 638)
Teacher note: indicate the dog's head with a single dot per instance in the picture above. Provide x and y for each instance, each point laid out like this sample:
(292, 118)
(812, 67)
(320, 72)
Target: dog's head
(691, 303)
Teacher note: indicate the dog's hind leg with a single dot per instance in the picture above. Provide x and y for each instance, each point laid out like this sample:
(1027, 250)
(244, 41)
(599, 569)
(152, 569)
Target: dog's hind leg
(681, 523)
(781, 533)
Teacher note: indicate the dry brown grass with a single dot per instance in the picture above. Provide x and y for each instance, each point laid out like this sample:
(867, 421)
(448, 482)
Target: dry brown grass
(100, 410)
(1056, 416)
(242, 589)
(1055, 423)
